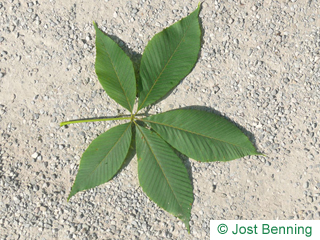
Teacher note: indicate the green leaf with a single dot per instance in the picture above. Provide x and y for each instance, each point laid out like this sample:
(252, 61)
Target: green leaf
(103, 158)
(162, 175)
(115, 71)
(201, 135)
(168, 58)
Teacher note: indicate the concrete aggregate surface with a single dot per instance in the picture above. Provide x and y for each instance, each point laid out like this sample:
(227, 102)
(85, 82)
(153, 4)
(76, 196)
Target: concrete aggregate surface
(259, 66)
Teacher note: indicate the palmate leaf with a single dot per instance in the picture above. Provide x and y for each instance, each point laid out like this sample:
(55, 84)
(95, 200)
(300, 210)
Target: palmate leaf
(168, 58)
(103, 158)
(115, 71)
(162, 175)
(201, 135)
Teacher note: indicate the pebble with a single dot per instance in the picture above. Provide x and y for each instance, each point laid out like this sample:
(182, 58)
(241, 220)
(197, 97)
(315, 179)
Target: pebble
(216, 89)
(35, 155)
(16, 200)
(310, 157)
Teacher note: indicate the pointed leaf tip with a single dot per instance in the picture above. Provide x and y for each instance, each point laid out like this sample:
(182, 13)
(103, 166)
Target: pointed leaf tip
(168, 58)
(201, 135)
(103, 158)
(162, 175)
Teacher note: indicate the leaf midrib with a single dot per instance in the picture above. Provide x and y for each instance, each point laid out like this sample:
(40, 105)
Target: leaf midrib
(145, 137)
(147, 96)
(110, 150)
(124, 93)
(188, 131)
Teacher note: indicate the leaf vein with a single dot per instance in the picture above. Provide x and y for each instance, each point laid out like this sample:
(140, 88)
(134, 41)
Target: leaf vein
(202, 135)
(124, 93)
(110, 150)
(145, 137)
(174, 52)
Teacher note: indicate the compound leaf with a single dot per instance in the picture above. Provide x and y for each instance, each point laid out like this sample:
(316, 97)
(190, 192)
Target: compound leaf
(201, 135)
(169, 56)
(162, 175)
(103, 158)
(115, 71)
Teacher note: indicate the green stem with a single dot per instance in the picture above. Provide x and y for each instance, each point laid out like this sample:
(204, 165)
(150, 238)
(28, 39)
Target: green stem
(93, 120)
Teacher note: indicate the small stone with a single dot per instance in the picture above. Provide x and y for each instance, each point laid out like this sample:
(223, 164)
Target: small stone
(16, 200)
(230, 20)
(144, 227)
(286, 80)
(35, 155)
(254, 8)
(72, 229)
(216, 89)
(36, 188)
(306, 185)
(1, 74)
(43, 208)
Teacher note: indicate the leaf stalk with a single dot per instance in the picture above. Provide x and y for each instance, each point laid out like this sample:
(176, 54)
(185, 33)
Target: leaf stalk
(93, 120)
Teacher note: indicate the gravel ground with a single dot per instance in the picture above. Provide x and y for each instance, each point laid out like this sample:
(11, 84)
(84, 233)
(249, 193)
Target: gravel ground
(259, 67)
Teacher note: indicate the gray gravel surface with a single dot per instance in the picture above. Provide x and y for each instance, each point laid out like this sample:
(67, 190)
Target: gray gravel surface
(259, 67)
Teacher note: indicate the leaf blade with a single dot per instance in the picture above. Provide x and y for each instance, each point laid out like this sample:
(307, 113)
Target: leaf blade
(168, 185)
(115, 70)
(168, 58)
(201, 135)
(103, 158)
